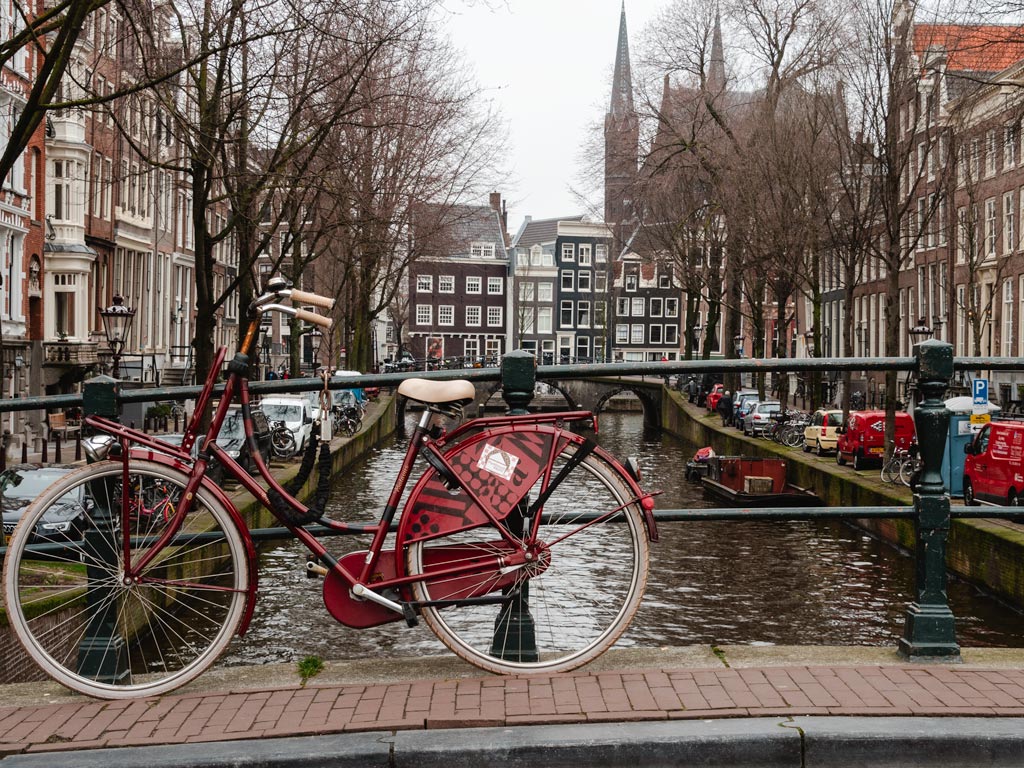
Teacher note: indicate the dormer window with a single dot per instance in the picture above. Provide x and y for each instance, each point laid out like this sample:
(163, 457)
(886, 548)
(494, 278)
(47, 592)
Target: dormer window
(482, 250)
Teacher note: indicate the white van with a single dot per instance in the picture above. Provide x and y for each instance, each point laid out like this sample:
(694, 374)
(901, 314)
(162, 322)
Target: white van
(294, 411)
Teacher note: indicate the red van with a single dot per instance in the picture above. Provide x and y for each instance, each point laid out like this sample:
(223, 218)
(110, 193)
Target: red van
(994, 467)
(862, 439)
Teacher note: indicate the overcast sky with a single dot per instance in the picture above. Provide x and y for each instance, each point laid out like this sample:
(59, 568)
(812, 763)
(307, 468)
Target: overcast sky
(548, 65)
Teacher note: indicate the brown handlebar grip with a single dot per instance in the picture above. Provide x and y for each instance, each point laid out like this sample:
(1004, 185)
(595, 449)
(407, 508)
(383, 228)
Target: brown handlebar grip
(313, 317)
(302, 297)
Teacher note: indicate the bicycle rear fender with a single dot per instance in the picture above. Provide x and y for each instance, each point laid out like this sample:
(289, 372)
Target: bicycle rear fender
(217, 492)
(499, 466)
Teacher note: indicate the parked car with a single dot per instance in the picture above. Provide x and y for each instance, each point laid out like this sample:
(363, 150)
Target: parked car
(294, 411)
(822, 433)
(744, 402)
(22, 483)
(994, 465)
(862, 439)
(760, 416)
(714, 396)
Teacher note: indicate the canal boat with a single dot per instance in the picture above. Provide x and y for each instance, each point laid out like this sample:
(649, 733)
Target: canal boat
(747, 481)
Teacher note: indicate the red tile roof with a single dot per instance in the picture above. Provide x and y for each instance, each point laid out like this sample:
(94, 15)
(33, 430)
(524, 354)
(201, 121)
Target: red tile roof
(972, 47)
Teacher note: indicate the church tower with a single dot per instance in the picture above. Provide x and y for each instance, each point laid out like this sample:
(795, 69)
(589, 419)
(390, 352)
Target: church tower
(621, 143)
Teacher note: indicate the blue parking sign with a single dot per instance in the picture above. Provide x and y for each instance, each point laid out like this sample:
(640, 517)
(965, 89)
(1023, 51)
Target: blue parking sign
(980, 391)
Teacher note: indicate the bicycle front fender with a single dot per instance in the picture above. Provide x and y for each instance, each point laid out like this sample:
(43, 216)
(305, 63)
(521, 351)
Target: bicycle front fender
(217, 492)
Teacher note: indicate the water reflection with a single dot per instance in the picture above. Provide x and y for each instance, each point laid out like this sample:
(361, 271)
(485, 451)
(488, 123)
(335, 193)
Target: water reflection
(798, 583)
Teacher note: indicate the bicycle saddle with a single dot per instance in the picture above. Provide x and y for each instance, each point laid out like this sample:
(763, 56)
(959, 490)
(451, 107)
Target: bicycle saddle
(460, 392)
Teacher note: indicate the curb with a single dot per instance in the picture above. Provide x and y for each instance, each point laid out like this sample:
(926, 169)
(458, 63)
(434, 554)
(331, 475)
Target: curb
(782, 742)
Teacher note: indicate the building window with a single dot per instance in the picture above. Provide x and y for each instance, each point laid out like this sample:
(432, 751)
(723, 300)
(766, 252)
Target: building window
(990, 227)
(482, 250)
(655, 333)
(565, 316)
(671, 334)
(583, 314)
(583, 285)
(424, 284)
(656, 306)
(446, 314)
(471, 348)
(474, 284)
(526, 319)
(630, 282)
(1010, 145)
(494, 316)
(1008, 318)
(568, 252)
(600, 281)
(1009, 231)
(544, 319)
(495, 286)
(664, 280)
(567, 281)
(424, 314)
(622, 307)
(601, 254)
(446, 284)
(473, 316)
(600, 314)
(585, 254)
(671, 307)
(545, 292)
(636, 334)
(990, 153)
(638, 305)
(526, 291)
(621, 333)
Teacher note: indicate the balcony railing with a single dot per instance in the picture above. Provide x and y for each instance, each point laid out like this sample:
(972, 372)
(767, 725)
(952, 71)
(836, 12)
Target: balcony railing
(70, 353)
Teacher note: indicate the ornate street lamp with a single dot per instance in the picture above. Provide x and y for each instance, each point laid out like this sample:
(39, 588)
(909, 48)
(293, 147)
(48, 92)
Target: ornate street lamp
(809, 342)
(316, 339)
(737, 342)
(117, 323)
(920, 331)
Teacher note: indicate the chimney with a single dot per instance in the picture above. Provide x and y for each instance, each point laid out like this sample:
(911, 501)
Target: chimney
(500, 207)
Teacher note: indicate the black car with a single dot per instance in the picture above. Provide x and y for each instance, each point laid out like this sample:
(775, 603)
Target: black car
(23, 483)
(232, 439)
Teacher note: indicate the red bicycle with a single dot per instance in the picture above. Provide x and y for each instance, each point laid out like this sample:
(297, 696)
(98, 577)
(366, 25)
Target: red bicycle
(523, 546)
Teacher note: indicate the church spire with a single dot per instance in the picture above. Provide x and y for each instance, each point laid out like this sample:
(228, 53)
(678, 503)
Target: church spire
(622, 80)
(716, 69)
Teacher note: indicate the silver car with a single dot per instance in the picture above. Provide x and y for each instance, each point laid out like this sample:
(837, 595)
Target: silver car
(760, 417)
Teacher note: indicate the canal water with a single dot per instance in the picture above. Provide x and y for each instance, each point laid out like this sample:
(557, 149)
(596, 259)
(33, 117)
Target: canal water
(757, 583)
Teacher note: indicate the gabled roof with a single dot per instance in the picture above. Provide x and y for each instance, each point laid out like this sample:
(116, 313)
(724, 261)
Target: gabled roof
(540, 231)
(476, 224)
(978, 49)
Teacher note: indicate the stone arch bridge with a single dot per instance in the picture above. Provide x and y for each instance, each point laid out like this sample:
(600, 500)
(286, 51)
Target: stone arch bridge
(589, 394)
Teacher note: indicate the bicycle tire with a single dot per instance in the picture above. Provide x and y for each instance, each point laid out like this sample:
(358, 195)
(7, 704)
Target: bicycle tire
(793, 437)
(178, 617)
(349, 426)
(579, 611)
(908, 467)
(282, 442)
(890, 472)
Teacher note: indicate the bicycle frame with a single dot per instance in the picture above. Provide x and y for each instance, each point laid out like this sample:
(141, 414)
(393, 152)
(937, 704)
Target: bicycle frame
(425, 441)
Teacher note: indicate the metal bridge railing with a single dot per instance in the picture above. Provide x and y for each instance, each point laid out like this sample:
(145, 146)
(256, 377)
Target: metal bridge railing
(929, 629)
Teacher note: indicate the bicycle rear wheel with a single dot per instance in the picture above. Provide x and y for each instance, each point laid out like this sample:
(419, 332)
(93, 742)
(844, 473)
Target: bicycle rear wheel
(69, 603)
(908, 467)
(575, 599)
(891, 470)
(282, 442)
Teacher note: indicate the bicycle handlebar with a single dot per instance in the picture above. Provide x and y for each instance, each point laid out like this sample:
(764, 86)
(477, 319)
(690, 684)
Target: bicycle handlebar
(313, 317)
(303, 297)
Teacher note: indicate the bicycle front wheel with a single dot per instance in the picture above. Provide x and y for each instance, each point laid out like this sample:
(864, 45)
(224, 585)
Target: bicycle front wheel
(98, 632)
(907, 469)
(282, 442)
(890, 471)
(567, 607)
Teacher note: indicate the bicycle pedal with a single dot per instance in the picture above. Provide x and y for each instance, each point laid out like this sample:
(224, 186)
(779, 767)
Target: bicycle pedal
(410, 614)
(313, 568)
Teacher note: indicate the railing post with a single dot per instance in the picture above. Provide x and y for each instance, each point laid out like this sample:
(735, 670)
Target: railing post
(102, 652)
(515, 638)
(929, 631)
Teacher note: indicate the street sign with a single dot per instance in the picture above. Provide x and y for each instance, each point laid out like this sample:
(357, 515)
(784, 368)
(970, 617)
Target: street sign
(981, 418)
(979, 388)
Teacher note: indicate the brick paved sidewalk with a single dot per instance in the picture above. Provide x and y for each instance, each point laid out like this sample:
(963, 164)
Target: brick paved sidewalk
(496, 701)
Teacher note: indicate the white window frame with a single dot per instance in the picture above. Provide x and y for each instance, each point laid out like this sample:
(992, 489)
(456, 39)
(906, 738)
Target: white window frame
(545, 291)
(495, 316)
(495, 286)
(424, 283)
(474, 284)
(424, 314)
(473, 316)
(446, 283)
(446, 314)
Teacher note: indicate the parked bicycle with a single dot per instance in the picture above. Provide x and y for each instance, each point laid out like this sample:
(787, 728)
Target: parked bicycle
(346, 419)
(903, 465)
(516, 520)
(282, 440)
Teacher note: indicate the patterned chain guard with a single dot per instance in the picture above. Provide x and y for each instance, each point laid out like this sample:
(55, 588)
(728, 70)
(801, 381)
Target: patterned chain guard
(499, 466)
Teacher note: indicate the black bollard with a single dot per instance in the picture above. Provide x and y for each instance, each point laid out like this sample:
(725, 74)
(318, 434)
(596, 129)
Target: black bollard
(46, 452)
(56, 449)
(24, 451)
(78, 446)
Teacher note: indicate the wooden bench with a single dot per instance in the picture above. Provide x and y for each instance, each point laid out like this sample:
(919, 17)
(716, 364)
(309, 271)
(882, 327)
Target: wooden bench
(60, 424)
